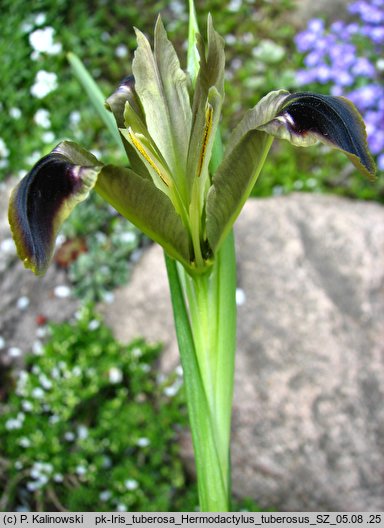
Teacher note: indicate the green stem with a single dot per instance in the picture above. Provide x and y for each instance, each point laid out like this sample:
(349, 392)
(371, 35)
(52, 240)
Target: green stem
(206, 333)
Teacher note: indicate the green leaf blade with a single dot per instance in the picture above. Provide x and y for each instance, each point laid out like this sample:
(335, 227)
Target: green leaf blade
(143, 204)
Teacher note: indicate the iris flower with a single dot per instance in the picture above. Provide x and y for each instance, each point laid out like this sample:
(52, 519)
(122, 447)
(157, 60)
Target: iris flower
(168, 129)
(185, 194)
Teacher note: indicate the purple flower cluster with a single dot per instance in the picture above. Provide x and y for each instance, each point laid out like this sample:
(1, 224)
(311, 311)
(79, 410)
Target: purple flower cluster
(349, 59)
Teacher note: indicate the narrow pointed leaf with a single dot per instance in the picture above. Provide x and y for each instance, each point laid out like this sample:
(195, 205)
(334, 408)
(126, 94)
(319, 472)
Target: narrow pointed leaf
(305, 118)
(193, 54)
(95, 95)
(147, 207)
(45, 197)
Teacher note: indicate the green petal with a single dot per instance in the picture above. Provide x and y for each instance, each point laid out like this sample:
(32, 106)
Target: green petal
(116, 103)
(209, 90)
(305, 118)
(237, 174)
(45, 197)
(147, 207)
(163, 91)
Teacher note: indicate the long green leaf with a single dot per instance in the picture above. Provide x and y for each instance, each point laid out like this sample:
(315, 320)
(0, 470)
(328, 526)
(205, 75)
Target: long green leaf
(211, 485)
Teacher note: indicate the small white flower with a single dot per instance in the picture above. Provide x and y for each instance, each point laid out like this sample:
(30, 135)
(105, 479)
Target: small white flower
(82, 432)
(33, 158)
(240, 297)
(121, 51)
(97, 154)
(81, 470)
(55, 373)
(268, 51)
(58, 477)
(37, 348)
(131, 484)
(60, 239)
(24, 442)
(69, 436)
(55, 418)
(230, 39)
(76, 371)
(27, 405)
(235, 5)
(7, 245)
(42, 118)
(40, 19)
(94, 324)
(74, 118)
(128, 237)
(26, 27)
(45, 382)
(18, 465)
(179, 371)
(115, 375)
(35, 55)
(172, 390)
(41, 331)
(4, 151)
(13, 423)
(143, 442)
(14, 352)
(22, 302)
(121, 507)
(105, 495)
(62, 291)
(15, 112)
(2, 343)
(108, 297)
(45, 83)
(37, 393)
(136, 352)
(145, 367)
(48, 137)
(42, 481)
(41, 41)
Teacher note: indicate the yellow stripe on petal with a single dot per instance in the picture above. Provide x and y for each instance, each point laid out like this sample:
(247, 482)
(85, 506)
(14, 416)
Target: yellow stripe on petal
(149, 158)
(207, 134)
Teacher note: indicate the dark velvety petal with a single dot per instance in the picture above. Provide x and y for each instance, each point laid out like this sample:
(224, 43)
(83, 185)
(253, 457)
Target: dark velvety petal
(44, 198)
(306, 117)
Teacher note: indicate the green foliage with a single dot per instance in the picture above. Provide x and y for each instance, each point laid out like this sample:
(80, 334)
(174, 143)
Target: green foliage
(91, 426)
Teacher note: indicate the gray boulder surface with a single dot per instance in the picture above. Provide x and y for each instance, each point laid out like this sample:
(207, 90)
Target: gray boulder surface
(308, 416)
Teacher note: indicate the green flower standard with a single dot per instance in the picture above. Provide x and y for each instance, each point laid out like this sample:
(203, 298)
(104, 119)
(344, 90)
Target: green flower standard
(185, 193)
